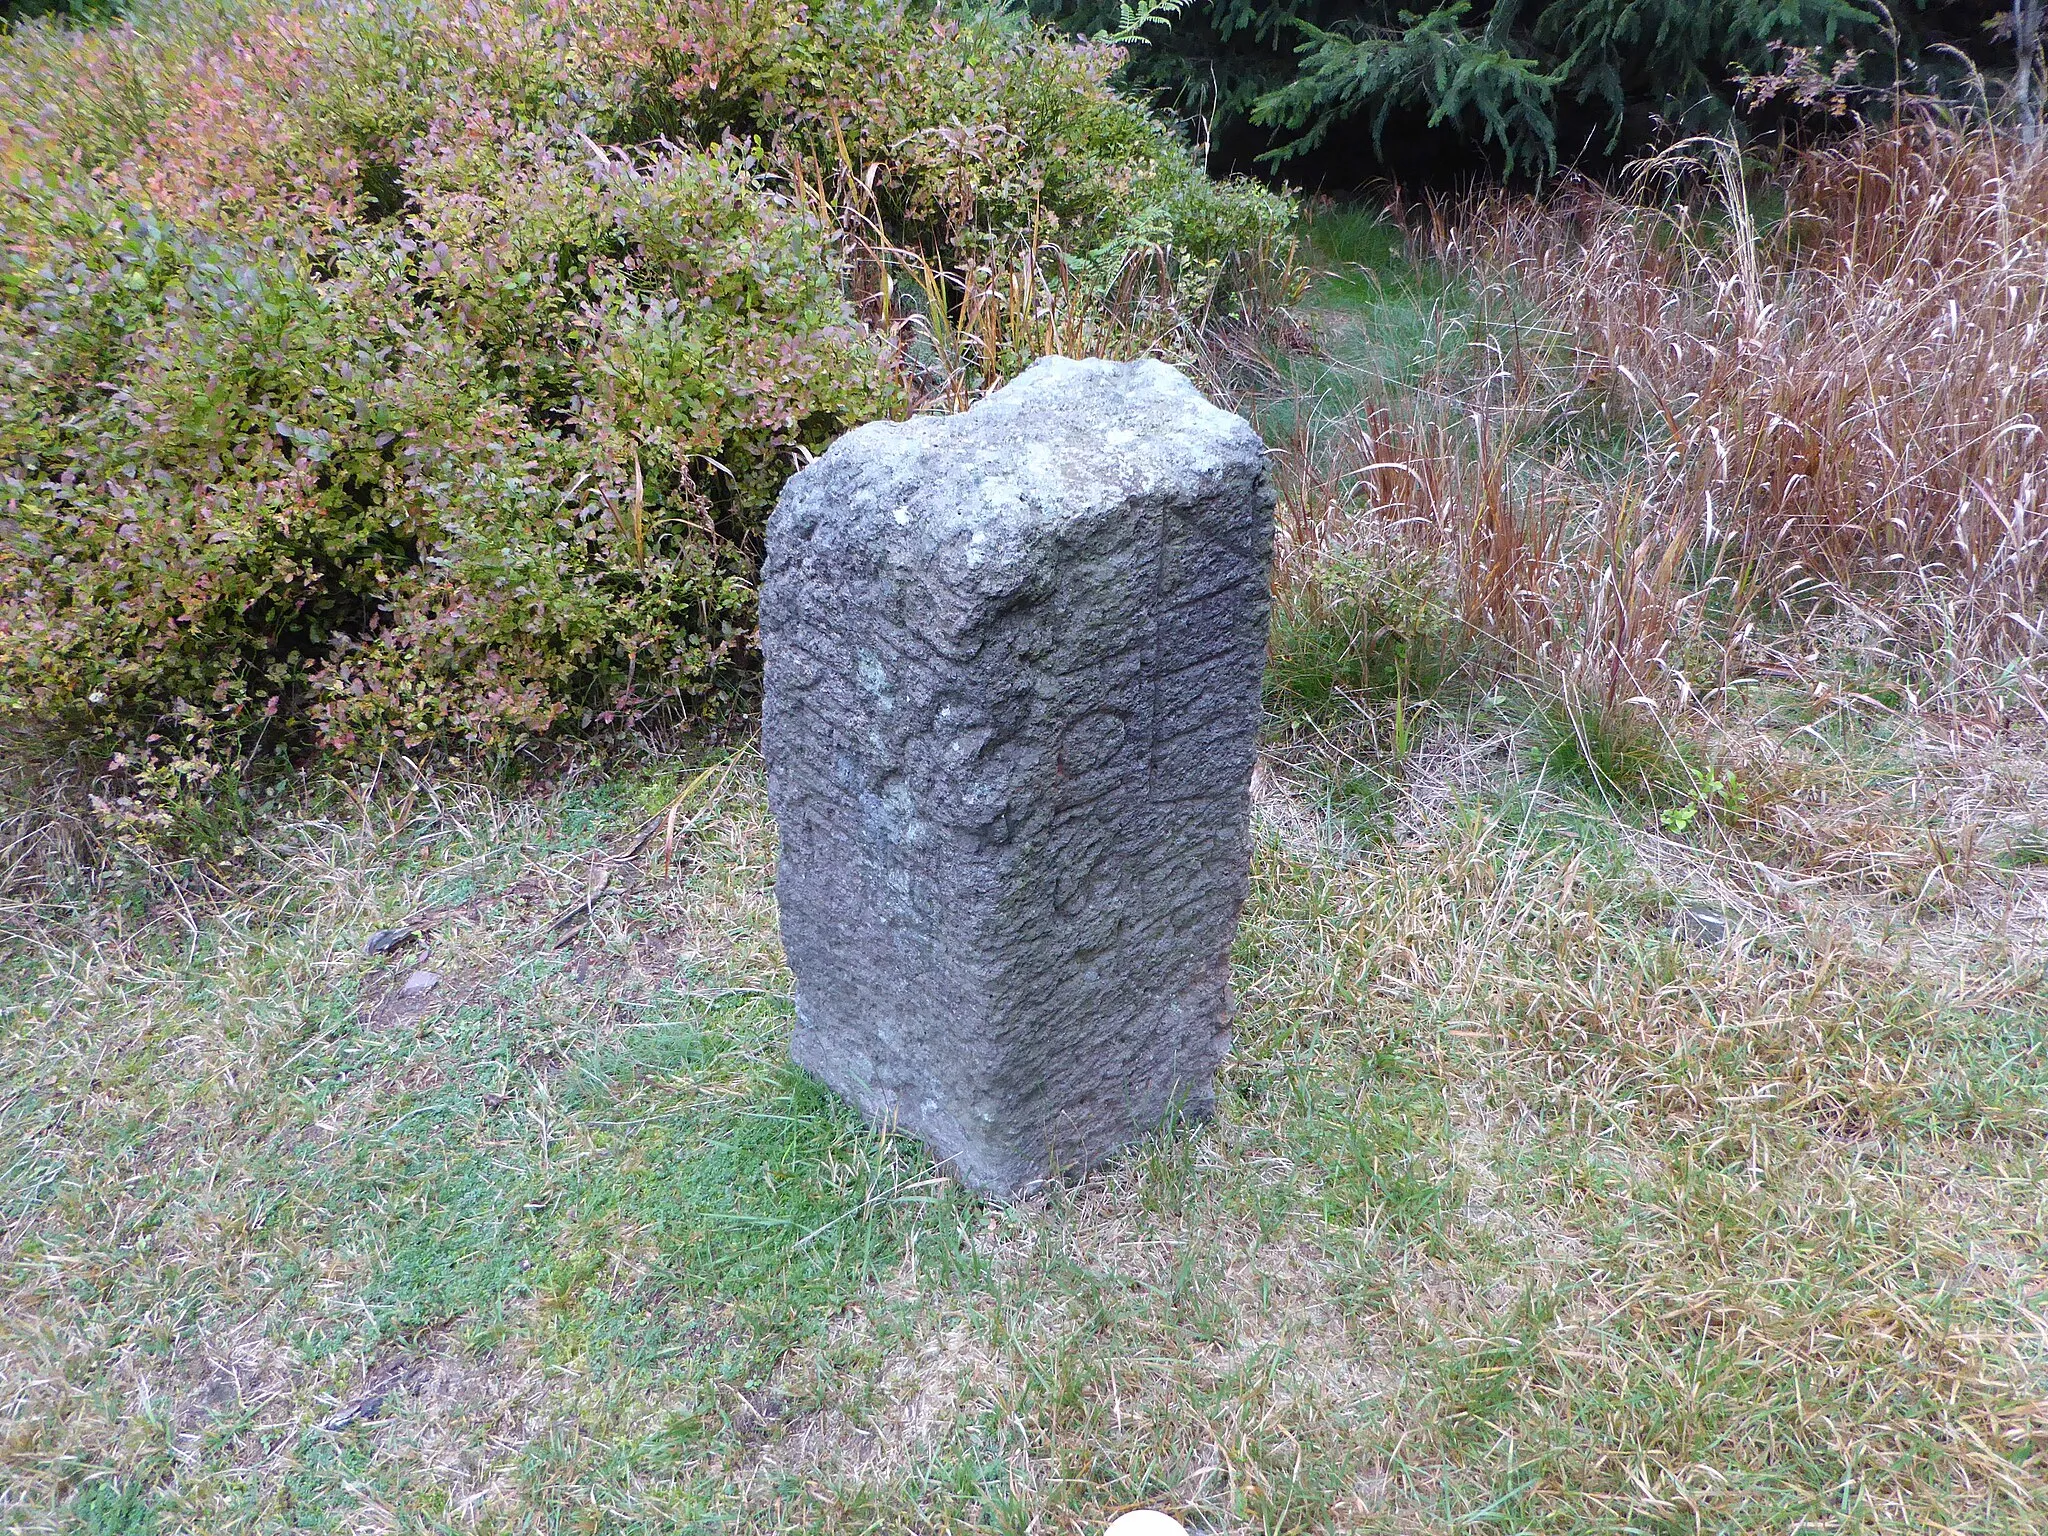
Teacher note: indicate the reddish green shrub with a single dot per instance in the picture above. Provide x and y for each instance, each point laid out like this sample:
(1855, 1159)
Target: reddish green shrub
(497, 461)
(384, 373)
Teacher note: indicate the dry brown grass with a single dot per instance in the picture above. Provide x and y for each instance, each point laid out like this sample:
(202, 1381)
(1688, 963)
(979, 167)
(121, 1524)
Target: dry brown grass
(1677, 443)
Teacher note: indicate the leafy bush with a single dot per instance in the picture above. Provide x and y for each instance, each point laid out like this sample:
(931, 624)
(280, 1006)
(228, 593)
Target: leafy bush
(391, 372)
(449, 478)
(1511, 84)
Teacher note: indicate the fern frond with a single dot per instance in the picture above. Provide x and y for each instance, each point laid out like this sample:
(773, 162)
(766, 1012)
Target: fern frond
(1132, 20)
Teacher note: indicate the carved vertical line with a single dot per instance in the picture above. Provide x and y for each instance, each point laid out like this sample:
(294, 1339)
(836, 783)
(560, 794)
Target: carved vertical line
(1156, 872)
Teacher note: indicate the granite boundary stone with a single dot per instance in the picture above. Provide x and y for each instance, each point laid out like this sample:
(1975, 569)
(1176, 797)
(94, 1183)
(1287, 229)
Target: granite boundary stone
(1013, 660)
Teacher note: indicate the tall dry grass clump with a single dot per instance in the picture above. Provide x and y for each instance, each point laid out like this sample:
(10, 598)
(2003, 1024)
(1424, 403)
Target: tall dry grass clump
(1842, 404)
(1458, 527)
(1742, 420)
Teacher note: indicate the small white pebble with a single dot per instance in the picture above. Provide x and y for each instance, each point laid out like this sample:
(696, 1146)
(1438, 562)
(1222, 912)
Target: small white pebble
(1145, 1522)
(417, 983)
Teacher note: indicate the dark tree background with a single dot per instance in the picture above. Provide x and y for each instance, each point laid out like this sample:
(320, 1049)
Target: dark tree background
(82, 12)
(1340, 91)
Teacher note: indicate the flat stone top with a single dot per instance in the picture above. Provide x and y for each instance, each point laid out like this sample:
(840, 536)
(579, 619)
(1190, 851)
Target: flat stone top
(1063, 442)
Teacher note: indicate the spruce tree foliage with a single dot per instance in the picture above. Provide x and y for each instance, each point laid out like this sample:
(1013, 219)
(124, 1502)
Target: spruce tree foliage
(76, 12)
(1515, 85)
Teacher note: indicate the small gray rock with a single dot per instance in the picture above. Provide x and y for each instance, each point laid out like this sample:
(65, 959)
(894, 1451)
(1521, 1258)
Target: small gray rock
(418, 984)
(1012, 704)
(1703, 926)
(356, 1412)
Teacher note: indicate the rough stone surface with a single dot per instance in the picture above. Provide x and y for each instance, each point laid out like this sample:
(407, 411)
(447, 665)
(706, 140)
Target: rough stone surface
(1013, 666)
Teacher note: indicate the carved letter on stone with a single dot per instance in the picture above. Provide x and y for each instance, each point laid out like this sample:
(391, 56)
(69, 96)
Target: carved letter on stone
(1013, 665)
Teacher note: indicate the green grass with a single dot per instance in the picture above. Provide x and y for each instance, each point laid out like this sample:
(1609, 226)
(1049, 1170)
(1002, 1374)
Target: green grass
(1384, 324)
(2028, 850)
(1520, 1214)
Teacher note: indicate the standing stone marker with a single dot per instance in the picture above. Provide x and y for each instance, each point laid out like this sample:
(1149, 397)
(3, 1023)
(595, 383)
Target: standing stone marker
(1013, 666)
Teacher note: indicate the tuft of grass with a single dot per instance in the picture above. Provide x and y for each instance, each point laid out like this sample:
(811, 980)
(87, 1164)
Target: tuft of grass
(113, 1509)
(2028, 850)
(1624, 753)
(1347, 237)
(1356, 648)
(1610, 751)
